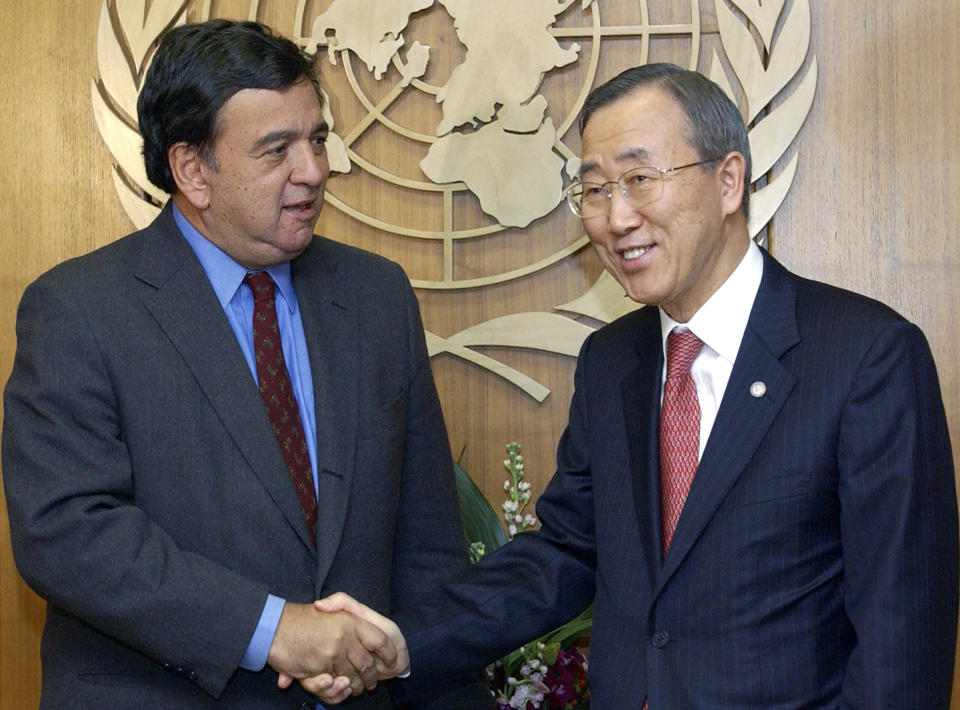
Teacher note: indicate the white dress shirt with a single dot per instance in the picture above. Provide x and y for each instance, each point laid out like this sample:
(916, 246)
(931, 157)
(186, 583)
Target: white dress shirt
(720, 324)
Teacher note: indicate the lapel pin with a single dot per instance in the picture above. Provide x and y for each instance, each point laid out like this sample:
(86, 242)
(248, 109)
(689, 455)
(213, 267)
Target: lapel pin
(758, 389)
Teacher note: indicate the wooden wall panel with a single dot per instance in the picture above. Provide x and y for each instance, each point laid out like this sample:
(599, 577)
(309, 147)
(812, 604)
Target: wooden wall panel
(871, 209)
(57, 202)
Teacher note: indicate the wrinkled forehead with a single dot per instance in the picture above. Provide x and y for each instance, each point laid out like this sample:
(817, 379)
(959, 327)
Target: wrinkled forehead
(646, 127)
(633, 154)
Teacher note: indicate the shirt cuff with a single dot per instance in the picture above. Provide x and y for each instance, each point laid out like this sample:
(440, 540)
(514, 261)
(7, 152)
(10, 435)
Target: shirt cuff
(259, 647)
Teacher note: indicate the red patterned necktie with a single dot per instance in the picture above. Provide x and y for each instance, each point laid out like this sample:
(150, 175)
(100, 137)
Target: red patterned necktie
(679, 429)
(278, 396)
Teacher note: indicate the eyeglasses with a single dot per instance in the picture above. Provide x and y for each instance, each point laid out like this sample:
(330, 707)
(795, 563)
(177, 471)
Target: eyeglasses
(639, 187)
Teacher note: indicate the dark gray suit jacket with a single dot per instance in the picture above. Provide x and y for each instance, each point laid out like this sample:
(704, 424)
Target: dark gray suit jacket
(814, 564)
(149, 502)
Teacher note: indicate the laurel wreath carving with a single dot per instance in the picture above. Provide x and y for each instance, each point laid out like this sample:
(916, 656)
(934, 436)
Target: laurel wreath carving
(764, 62)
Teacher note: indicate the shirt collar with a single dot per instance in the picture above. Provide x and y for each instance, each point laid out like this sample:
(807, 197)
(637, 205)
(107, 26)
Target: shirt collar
(722, 320)
(224, 273)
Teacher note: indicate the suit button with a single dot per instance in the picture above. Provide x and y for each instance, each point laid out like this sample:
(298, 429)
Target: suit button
(660, 638)
(307, 706)
(192, 676)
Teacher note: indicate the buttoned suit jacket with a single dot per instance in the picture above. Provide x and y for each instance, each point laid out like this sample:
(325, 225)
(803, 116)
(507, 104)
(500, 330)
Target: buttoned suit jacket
(148, 499)
(814, 564)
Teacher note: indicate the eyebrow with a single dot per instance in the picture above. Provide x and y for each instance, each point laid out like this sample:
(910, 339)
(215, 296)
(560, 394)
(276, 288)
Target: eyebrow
(275, 136)
(634, 153)
(637, 153)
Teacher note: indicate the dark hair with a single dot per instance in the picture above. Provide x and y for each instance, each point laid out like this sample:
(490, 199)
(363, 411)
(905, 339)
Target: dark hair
(196, 69)
(715, 124)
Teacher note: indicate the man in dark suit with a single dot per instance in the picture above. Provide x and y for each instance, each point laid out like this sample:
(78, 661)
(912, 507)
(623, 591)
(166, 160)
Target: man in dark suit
(811, 562)
(178, 518)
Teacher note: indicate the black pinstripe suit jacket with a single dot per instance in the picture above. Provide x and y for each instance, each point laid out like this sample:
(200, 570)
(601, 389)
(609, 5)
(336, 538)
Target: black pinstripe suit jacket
(815, 562)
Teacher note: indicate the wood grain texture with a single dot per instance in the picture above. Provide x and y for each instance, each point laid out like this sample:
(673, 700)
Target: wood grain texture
(872, 209)
(57, 203)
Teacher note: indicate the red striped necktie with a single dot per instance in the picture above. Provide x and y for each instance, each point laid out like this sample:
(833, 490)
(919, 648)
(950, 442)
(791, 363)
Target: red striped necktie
(679, 429)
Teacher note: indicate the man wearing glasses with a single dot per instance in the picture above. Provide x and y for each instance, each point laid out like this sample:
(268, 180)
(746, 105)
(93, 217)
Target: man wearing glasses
(755, 489)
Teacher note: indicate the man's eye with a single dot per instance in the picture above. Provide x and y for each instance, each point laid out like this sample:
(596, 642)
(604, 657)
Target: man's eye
(277, 150)
(635, 179)
(319, 143)
(592, 191)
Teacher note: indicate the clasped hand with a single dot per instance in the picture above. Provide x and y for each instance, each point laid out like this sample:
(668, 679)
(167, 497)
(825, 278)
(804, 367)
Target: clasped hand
(336, 647)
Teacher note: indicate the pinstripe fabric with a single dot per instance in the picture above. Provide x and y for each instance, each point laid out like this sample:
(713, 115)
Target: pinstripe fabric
(815, 563)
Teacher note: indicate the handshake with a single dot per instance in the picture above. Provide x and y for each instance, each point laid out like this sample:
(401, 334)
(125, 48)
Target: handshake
(336, 647)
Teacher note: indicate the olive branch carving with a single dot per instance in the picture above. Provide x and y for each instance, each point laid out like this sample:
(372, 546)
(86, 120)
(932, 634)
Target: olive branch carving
(127, 36)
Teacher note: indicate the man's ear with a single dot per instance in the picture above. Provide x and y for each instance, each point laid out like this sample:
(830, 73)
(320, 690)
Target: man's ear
(191, 173)
(731, 172)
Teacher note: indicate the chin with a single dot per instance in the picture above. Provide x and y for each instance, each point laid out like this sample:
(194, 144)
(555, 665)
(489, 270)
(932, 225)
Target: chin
(301, 240)
(634, 293)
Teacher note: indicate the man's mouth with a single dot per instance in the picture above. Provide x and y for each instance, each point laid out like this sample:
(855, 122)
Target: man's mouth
(636, 252)
(305, 205)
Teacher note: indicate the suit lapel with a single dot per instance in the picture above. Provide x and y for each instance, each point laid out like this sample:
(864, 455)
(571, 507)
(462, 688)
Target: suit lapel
(335, 352)
(641, 406)
(185, 307)
(743, 419)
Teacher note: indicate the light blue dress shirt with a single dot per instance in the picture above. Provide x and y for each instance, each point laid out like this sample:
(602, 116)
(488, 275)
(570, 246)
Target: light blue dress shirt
(226, 276)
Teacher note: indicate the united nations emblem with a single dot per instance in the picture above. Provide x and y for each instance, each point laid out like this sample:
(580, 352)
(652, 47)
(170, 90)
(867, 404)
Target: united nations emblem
(466, 111)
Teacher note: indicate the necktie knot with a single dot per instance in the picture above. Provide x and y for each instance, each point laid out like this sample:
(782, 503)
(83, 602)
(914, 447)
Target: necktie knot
(682, 349)
(261, 284)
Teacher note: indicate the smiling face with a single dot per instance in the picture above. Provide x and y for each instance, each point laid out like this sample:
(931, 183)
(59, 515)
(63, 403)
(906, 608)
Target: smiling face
(262, 194)
(676, 251)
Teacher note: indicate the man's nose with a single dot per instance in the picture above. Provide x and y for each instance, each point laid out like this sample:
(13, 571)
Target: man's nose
(310, 168)
(621, 214)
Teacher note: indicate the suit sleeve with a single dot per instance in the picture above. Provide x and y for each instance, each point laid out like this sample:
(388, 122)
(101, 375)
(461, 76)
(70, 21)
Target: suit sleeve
(899, 528)
(429, 546)
(79, 539)
(529, 586)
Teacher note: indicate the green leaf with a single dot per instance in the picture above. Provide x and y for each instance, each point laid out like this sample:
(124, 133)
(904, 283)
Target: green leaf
(480, 522)
(573, 630)
(550, 653)
(513, 660)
